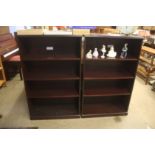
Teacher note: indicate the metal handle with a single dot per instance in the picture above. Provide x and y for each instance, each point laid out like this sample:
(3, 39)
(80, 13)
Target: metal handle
(49, 48)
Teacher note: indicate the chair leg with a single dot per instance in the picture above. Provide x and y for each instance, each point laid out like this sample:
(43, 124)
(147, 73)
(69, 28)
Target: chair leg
(147, 78)
(20, 72)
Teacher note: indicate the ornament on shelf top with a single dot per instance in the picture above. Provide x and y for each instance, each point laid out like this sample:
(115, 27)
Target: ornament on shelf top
(89, 55)
(95, 53)
(124, 51)
(111, 53)
(103, 50)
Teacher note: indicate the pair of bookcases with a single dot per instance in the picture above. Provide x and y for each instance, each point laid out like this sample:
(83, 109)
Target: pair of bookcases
(60, 82)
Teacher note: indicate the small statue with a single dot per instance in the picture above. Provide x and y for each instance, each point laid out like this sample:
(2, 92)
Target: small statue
(89, 55)
(124, 51)
(103, 50)
(112, 53)
(95, 53)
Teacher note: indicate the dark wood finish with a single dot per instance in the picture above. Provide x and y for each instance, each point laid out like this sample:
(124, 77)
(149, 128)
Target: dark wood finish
(52, 74)
(64, 46)
(54, 108)
(53, 89)
(56, 75)
(109, 69)
(49, 77)
(103, 105)
(111, 75)
(108, 83)
(49, 58)
(48, 70)
(107, 87)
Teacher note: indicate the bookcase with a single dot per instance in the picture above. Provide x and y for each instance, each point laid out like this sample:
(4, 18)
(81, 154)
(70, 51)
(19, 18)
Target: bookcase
(60, 82)
(107, 83)
(52, 75)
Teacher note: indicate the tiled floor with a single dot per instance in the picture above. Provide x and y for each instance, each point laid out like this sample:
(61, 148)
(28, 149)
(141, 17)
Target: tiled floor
(14, 109)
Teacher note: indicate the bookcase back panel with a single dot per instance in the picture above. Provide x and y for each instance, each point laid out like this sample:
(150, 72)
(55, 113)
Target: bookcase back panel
(108, 85)
(134, 45)
(109, 68)
(105, 105)
(53, 107)
(52, 89)
(51, 46)
(53, 68)
(52, 85)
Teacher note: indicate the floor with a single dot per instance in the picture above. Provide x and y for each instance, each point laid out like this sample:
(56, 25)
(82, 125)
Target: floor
(14, 109)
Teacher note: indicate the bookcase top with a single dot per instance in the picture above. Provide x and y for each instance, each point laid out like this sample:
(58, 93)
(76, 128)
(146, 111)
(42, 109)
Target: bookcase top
(40, 32)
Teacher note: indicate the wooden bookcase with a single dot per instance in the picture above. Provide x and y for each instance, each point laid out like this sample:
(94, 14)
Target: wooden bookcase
(52, 75)
(108, 83)
(61, 83)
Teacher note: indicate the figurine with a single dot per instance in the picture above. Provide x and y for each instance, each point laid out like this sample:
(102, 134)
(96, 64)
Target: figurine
(112, 53)
(89, 55)
(103, 50)
(124, 51)
(95, 53)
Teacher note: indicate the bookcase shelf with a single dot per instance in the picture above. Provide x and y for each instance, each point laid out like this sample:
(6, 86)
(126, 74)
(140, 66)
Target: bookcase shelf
(50, 58)
(115, 59)
(49, 76)
(106, 75)
(103, 92)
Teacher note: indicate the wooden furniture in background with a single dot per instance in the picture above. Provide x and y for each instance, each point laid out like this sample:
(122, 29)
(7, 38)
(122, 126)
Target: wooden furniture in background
(14, 62)
(146, 67)
(81, 31)
(4, 29)
(9, 54)
(2, 75)
(151, 28)
(109, 30)
(52, 75)
(108, 83)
